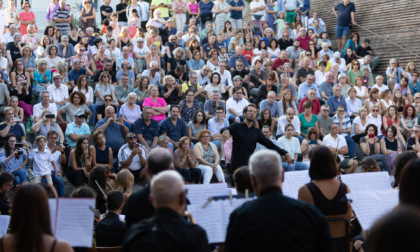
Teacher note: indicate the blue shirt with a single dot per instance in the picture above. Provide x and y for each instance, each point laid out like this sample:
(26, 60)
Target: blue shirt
(205, 8)
(333, 103)
(174, 132)
(232, 61)
(114, 134)
(72, 128)
(275, 109)
(304, 88)
(194, 64)
(74, 76)
(15, 129)
(236, 14)
(344, 13)
(215, 127)
(148, 132)
(328, 89)
(13, 163)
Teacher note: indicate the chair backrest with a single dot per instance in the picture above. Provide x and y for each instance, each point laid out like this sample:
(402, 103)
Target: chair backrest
(340, 231)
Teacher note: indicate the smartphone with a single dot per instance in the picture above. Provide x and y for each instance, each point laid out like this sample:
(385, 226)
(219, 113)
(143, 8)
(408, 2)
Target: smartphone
(313, 142)
(19, 145)
(23, 83)
(17, 119)
(136, 145)
(52, 116)
(57, 143)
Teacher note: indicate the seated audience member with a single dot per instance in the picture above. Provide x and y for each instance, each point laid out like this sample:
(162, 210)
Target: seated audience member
(147, 129)
(169, 199)
(235, 105)
(326, 89)
(287, 101)
(394, 73)
(58, 153)
(170, 92)
(338, 146)
(203, 76)
(291, 144)
(311, 141)
(132, 156)
(194, 86)
(77, 101)
(273, 105)
(342, 81)
(270, 86)
(14, 160)
(44, 105)
(208, 158)
(343, 123)
(107, 68)
(215, 125)
(10, 126)
(44, 125)
(380, 84)
(59, 93)
(266, 120)
(110, 231)
(78, 71)
(80, 163)
(413, 140)
(19, 238)
(375, 118)
(42, 162)
(311, 97)
(324, 191)
(336, 100)
(242, 180)
(353, 103)
(304, 70)
(100, 113)
(241, 71)
(307, 119)
(238, 82)
(185, 161)
(306, 86)
(101, 153)
(6, 184)
(324, 121)
(359, 125)
(174, 127)
(268, 134)
(123, 89)
(369, 165)
(409, 120)
(78, 128)
(197, 123)
(266, 176)
(211, 105)
(98, 181)
(130, 111)
(188, 106)
(288, 118)
(158, 104)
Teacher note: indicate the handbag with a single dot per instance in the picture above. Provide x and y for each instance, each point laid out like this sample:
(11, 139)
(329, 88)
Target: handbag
(257, 17)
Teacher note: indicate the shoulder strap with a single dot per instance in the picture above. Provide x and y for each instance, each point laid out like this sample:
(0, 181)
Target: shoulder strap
(53, 245)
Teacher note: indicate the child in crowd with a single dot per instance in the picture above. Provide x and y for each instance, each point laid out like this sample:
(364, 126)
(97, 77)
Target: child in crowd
(42, 161)
(133, 23)
(223, 54)
(248, 52)
(280, 24)
(220, 41)
(206, 30)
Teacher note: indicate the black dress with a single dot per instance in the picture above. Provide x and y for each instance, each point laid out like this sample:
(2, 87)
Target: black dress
(336, 206)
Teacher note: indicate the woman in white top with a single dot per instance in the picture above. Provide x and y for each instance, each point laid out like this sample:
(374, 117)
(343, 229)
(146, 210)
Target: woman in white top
(215, 84)
(375, 118)
(273, 50)
(321, 74)
(83, 87)
(361, 91)
(373, 99)
(359, 125)
(130, 111)
(386, 101)
(52, 56)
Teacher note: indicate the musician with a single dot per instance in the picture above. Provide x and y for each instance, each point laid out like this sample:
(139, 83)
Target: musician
(6, 183)
(338, 146)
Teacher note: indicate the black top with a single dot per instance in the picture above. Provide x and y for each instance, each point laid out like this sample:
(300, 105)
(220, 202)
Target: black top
(410, 143)
(173, 98)
(110, 231)
(2, 245)
(244, 142)
(274, 222)
(74, 42)
(174, 63)
(362, 52)
(303, 73)
(166, 231)
(336, 206)
(138, 207)
(172, 73)
(98, 73)
(123, 16)
(242, 73)
(391, 145)
(285, 43)
(102, 156)
(4, 205)
(14, 51)
(107, 9)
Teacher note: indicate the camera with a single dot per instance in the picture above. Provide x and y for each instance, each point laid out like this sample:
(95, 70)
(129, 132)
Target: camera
(20, 152)
(51, 116)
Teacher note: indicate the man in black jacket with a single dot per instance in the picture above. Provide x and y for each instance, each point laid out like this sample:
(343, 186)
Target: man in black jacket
(274, 222)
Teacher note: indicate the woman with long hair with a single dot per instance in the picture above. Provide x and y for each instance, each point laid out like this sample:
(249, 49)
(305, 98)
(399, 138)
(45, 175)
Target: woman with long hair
(408, 120)
(353, 42)
(307, 119)
(18, 111)
(105, 87)
(42, 77)
(285, 40)
(101, 153)
(98, 182)
(361, 90)
(84, 88)
(349, 58)
(197, 123)
(266, 120)
(193, 46)
(391, 145)
(391, 118)
(287, 101)
(267, 87)
(28, 60)
(386, 101)
(373, 99)
(13, 159)
(49, 32)
(124, 183)
(153, 56)
(370, 145)
(81, 162)
(409, 70)
(399, 100)
(142, 89)
(31, 230)
(215, 84)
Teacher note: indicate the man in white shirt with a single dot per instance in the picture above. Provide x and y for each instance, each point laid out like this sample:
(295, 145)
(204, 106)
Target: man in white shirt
(43, 105)
(321, 22)
(340, 61)
(203, 76)
(8, 37)
(338, 146)
(132, 156)
(144, 12)
(59, 93)
(235, 105)
(380, 84)
(140, 51)
(365, 63)
(226, 77)
(289, 118)
(3, 21)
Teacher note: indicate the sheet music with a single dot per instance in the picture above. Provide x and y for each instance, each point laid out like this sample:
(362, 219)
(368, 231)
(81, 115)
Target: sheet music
(295, 179)
(75, 221)
(52, 204)
(4, 224)
(369, 206)
(198, 194)
(355, 181)
(376, 181)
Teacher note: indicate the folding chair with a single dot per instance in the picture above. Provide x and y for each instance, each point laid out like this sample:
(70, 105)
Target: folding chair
(340, 232)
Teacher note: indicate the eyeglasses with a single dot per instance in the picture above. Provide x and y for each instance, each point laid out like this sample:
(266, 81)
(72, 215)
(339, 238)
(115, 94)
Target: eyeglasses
(10, 185)
(340, 111)
(355, 63)
(76, 97)
(375, 110)
(81, 116)
(43, 63)
(334, 128)
(418, 97)
(108, 99)
(81, 50)
(326, 110)
(312, 133)
(132, 138)
(205, 136)
(106, 76)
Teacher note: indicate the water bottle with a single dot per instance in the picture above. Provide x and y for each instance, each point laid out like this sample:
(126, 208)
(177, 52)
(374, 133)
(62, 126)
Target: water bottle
(28, 124)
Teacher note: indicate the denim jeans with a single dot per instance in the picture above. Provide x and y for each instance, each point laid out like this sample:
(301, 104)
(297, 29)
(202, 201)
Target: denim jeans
(92, 108)
(298, 167)
(58, 183)
(352, 146)
(20, 176)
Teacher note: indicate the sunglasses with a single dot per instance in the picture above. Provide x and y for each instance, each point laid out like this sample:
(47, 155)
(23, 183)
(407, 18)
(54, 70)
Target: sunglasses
(43, 63)
(81, 116)
(108, 99)
(375, 110)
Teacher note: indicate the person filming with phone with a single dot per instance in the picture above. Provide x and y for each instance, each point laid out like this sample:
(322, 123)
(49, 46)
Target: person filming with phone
(45, 124)
(13, 158)
(10, 126)
(132, 156)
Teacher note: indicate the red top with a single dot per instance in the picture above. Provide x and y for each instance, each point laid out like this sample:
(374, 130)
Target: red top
(315, 110)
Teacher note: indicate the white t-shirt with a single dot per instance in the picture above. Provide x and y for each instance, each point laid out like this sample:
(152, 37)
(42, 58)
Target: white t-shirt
(282, 122)
(360, 92)
(255, 4)
(41, 162)
(377, 121)
(236, 106)
(362, 128)
(273, 54)
(56, 156)
(141, 51)
(89, 95)
(380, 88)
(332, 142)
(320, 77)
(290, 145)
(125, 152)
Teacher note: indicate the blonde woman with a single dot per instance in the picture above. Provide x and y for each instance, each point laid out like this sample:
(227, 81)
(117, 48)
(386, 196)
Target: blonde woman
(124, 37)
(124, 183)
(409, 70)
(87, 15)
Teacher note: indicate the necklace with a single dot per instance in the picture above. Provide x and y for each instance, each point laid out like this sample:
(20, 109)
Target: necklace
(206, 148)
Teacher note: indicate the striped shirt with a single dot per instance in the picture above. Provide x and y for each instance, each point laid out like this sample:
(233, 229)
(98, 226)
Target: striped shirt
(62, 14)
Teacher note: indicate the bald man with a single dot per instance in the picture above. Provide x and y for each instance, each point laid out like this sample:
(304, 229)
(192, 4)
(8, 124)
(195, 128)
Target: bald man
(173, 233)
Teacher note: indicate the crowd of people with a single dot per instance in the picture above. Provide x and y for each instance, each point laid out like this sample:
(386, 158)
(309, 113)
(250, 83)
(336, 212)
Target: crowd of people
(194, 81)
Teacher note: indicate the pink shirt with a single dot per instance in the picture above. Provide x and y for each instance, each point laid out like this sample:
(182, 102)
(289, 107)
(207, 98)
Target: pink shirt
(193, 8)
(159, 103)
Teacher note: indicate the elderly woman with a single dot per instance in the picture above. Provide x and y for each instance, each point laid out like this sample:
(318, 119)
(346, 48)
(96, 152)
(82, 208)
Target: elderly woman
(185, 162)
(31, 38)
(10, 126)
(46, 124)
(188, 106)
(171, 93)
(371, 147)
(77, 101)
(156, 21)
(65, 49)
(213, 62)
(178, 59)
(28, 60)
(52, 56)
(208, 157)
(103, 88)
(87, 16)
(101, 153)
(14, 160)
(158, 104)
(130, 111)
